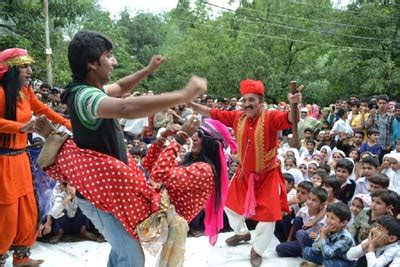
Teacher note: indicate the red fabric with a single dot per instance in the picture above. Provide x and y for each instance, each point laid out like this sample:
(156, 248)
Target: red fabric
(8, 54)
(107, 183)
(269, 201)
(251, 86)
(188, 187)
(122, 190)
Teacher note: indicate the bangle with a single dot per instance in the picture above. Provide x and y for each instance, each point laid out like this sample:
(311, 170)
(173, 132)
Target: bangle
(179, 139)
(161, 140)
(183, 134)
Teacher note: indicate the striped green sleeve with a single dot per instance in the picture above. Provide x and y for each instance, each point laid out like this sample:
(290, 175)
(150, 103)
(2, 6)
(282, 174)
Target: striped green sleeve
(86, 105)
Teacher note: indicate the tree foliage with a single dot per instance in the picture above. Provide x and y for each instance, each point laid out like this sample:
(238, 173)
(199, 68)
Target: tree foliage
(333, 52)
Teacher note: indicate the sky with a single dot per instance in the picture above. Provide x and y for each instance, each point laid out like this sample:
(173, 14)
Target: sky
(151, 6)
(157, 6)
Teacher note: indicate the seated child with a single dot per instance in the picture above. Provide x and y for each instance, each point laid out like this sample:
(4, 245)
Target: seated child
(67, 218)
(282, 228)
(318, 178)
(382, 244)
(372, 144)
(378, 181)
(358, 203)
(383, 201)
(369, 165)
(343, 169)
(332, 186)
(394, 159)
(334, 240)
(309, 216)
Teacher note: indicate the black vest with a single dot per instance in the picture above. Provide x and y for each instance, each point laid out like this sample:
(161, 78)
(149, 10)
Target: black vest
(106, 137)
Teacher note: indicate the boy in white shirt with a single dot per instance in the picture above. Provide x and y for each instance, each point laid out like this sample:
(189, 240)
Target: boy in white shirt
(382, 244)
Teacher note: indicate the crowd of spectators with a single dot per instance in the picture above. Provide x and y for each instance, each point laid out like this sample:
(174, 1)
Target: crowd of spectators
(343, 181)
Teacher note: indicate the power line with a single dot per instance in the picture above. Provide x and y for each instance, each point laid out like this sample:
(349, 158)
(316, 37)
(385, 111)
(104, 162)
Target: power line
(283, 38)
(301, 18)
(310, 30)
(341, 10)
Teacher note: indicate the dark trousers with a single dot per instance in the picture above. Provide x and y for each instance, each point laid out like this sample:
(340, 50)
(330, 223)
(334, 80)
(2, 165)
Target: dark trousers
(295, 248)
(71, 225)
(316, 257)
(282, 228)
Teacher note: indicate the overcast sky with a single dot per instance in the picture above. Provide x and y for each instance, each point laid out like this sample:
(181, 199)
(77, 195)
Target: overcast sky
(152, 6)
(157, 6)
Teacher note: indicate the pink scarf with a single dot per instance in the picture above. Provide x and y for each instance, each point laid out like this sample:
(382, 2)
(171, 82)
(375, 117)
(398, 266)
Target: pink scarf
(214, 218)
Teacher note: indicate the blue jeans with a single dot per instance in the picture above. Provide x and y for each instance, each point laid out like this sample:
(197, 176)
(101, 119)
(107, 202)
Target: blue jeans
(126, 250)
(316, 257)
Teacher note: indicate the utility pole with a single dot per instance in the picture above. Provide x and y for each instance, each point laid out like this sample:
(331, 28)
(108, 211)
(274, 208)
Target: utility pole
(48, 48)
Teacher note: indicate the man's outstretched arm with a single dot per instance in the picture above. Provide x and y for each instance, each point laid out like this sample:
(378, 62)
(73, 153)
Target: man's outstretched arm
(143, 106)
(127, 83)
(204, 110)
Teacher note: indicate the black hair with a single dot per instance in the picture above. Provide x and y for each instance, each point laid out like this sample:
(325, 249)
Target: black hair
(321, 193)
(391, 224)
(389, 197)
(288, 177)
(309, 129)
(86, 47)
(341, 112)
(397, 106)
(334, 183)
(345, 164)
(383, 97)
(291, 158)
(355, 103)
(209, 153)
(12, 86)
(307, 185)
(311, 141)
(322, 173)
(371, 131)
(370, 160)
(341, 210)
(380, 179)
(45, 85)
(135, 151)
(360, 132)
(325, 167)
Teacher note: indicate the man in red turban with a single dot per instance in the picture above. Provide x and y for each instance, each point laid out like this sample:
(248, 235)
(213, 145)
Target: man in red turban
(257, 190)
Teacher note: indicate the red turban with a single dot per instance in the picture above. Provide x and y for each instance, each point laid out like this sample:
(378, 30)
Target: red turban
(13, 57)
(251, 86)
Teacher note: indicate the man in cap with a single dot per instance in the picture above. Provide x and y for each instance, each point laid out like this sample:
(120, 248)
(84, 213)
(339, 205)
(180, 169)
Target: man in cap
(257, 190)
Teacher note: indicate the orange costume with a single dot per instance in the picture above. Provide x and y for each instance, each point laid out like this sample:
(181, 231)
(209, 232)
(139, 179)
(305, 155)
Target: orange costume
(257, 153)
(18, 211)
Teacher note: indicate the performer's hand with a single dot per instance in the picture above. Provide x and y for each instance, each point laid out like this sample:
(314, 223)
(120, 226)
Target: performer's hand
(294, 98)
(28, 127)
(195, 87)
(171, 129)
(191, 125)
(155, 62)
(43, 126)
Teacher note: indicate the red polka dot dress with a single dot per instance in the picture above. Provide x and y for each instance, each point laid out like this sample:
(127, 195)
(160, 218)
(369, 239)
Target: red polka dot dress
(108, 183)
(189, 187)
(122, 190)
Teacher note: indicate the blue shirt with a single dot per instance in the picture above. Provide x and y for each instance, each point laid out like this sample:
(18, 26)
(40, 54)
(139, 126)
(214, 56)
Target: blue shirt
(335, 245)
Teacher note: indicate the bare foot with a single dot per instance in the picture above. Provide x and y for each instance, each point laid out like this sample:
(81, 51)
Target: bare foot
(50, 149)
(88, 235)
(43, 126)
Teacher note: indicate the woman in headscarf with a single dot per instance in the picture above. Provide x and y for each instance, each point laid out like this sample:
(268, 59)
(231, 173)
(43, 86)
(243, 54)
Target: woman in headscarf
(18, 209)
(114, 187)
